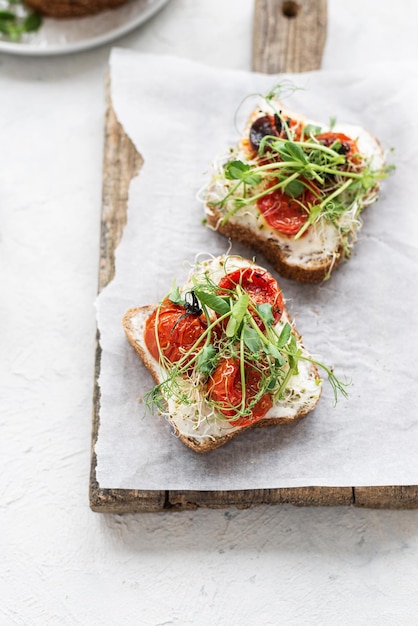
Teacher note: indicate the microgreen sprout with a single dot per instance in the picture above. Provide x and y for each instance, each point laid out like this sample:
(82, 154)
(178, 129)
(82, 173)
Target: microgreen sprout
(238, 328)
(301, 157)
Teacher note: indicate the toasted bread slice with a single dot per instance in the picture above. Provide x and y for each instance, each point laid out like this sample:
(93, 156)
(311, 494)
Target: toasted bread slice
(289, 260)
(72, 8)
(196, 424)
(211, 434)
(313, 256)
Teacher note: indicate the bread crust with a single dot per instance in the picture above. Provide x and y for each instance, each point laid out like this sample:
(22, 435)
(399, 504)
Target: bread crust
(196, 444)
(273, 252)
(72, 8)
(273, 249)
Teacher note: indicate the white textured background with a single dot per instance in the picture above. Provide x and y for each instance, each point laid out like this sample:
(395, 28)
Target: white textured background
(60, 563)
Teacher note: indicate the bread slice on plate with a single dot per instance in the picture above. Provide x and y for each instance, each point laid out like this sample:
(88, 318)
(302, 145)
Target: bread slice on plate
(72, 8)
(293, 189)
(224, 354)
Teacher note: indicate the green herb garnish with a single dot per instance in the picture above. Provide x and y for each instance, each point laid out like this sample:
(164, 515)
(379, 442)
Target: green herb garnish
(341, 181)
(15, 20)
(240, 329)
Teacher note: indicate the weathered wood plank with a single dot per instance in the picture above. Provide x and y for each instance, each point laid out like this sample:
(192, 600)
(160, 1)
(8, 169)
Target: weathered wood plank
(288, 36)
(399, 497)
(300, 496)
(121, 162)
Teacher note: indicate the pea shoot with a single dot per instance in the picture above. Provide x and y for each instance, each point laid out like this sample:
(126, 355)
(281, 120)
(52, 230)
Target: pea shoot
(247, 351)
(320, 174)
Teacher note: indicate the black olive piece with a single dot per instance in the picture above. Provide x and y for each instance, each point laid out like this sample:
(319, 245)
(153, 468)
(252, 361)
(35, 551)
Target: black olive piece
(278, 123)
(259, 129)
(344, 148)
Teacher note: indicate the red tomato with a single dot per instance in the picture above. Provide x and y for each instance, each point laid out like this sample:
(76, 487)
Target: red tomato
(225, 389)
(348, 145)
(176, 336)
(260, 286)
(284, 213)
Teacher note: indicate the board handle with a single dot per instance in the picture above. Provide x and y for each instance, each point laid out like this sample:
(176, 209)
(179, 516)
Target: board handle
(288, 35)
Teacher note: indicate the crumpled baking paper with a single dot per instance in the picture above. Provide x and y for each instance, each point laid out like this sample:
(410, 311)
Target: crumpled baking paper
(363, 321)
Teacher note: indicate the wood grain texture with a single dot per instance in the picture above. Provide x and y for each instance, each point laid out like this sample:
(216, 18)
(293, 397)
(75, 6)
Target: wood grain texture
(121, 162)
(288, 37)
(399, 497)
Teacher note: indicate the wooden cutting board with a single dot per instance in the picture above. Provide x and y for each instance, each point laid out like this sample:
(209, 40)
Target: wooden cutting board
(288, 36)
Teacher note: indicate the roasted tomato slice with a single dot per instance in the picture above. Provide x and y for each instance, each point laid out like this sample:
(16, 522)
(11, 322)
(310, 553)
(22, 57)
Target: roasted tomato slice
(260, 286)
(284, 213)
(225, 389)
(178, 331)
(348, 146)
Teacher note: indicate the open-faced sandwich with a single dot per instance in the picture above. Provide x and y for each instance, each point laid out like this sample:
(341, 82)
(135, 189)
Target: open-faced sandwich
(225, 354)
(294, 189)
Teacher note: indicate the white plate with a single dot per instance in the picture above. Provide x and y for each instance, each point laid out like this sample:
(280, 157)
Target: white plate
(71, 35)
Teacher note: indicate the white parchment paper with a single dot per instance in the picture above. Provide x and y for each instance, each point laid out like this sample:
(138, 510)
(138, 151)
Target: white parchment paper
(180, 115)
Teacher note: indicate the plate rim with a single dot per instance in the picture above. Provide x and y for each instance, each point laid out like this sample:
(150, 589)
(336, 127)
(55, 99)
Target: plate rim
(29, 49)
